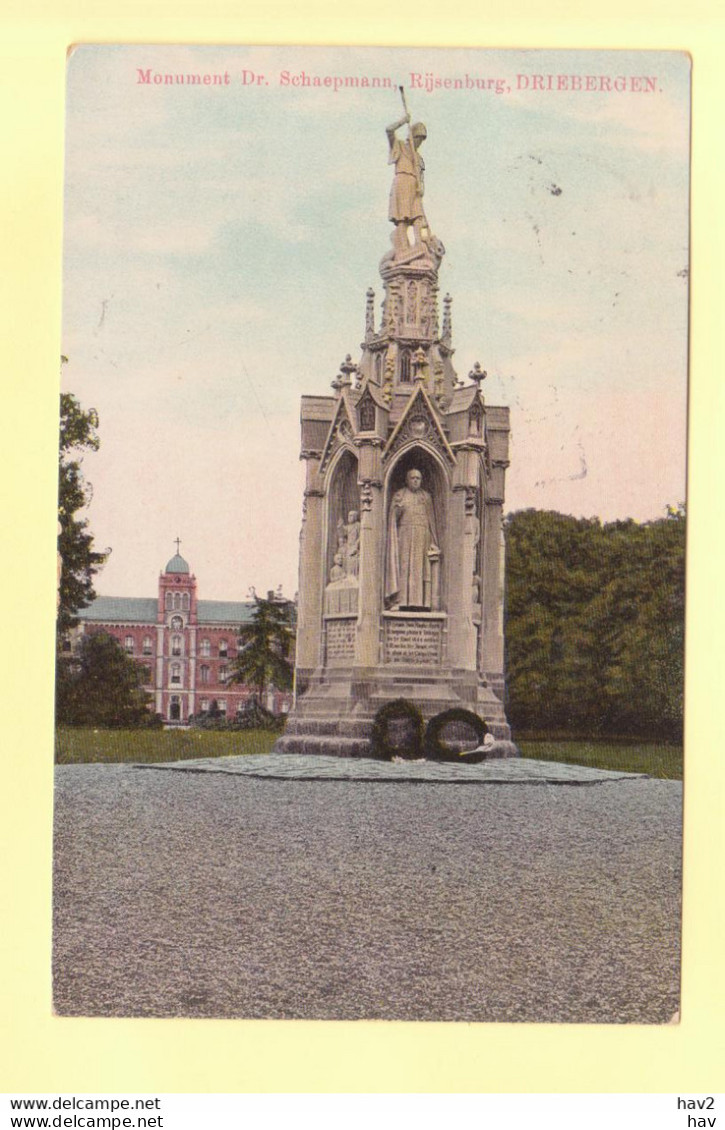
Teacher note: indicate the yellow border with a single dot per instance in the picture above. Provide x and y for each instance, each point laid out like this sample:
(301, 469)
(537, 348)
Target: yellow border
(43, 1053)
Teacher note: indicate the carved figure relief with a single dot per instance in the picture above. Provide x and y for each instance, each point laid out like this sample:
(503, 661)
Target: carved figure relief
(366, 495)
(352, 544)
(387, 389)
(439, 385)
(337, 572)
(341, 592)
(411, 304)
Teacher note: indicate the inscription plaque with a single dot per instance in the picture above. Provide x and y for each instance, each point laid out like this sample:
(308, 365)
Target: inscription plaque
(413, 641)
(340, 640)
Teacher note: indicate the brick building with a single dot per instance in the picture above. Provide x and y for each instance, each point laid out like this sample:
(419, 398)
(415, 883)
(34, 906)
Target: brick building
(187, 644)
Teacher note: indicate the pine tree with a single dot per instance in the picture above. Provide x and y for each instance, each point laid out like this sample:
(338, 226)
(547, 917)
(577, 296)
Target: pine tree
(264, 657)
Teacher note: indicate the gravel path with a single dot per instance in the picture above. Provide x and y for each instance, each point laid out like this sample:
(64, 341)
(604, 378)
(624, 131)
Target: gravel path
(221, 895)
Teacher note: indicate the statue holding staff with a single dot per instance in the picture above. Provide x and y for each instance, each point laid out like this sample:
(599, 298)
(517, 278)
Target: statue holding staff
(406, 195)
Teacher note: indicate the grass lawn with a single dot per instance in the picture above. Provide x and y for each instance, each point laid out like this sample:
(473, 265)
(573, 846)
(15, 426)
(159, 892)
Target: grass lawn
(658, 759)
(75, 746)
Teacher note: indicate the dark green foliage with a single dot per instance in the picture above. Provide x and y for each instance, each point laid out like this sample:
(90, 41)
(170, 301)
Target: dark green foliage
(102, 686)
(435, 746)
(407, 724)
(253, 717)
(80, 561)
(268, 641)
(595, 624)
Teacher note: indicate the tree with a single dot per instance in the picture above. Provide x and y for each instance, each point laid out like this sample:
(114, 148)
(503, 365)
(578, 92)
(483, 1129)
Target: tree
(268, 639)
(595, 624)
(102, 686)
(80, 561)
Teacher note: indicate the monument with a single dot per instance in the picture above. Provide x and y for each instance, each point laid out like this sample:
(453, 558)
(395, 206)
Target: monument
(401, 550)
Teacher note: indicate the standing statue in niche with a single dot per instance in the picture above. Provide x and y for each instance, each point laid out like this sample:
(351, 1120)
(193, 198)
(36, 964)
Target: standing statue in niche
(411, 580)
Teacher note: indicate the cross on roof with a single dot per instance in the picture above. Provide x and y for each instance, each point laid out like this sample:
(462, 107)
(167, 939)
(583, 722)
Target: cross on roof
(178, 543)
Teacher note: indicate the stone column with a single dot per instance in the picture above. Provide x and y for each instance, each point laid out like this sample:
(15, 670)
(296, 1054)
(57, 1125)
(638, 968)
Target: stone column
(372, 543)
(461, 547)
(492, 656)
(309, 611)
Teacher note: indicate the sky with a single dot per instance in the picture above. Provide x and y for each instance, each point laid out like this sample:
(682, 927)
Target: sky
(219, 240)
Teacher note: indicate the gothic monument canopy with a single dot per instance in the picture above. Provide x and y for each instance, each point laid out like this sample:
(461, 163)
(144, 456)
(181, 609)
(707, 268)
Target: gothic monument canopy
(401, 550)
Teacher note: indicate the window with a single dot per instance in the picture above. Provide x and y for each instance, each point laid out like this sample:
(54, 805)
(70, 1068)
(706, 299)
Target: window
(169, 602)
(185, 601)
(405, 366)
(205, 648)
(223, 673)
(177, 600)
(222, 704)
(223, 648)
(148, 646)
(204, 673)
(177, 623)
(205, 704)
(175, 672)
(176, 645)
(128, 644)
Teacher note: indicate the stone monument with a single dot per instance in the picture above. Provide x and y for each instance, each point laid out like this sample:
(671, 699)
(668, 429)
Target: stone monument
(401, 550)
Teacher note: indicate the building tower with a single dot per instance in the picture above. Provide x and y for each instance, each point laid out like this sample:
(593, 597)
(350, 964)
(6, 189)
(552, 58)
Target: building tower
(176, 627)
(401, 550)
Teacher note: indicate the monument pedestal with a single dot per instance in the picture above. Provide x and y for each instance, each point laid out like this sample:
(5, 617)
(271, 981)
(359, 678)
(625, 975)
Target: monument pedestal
(335, 715)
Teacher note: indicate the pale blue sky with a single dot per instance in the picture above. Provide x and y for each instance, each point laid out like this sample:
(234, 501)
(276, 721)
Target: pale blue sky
(219, 242)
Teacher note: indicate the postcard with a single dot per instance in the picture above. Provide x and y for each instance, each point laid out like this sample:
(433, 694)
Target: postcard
(372, 520)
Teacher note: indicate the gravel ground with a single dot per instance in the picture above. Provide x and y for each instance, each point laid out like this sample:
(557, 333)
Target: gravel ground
(221, 895)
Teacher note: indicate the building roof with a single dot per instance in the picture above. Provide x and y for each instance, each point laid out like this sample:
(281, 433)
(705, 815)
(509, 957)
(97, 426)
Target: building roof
(177, 565)
(143, 610)
(225, 611)
(462, 399)
(127, 609)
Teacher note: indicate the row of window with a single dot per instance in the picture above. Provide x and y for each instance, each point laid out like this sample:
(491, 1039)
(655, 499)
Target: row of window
(180, 600)
(177, 646)
(404, 366)
(204, 673)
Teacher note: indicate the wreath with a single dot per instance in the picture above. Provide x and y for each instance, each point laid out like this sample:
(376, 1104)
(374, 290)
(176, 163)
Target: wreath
(434, 746)
(399, 709)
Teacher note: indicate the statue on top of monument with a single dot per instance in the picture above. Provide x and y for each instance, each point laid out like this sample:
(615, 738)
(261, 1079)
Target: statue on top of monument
(412, 554)
(406, 195)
